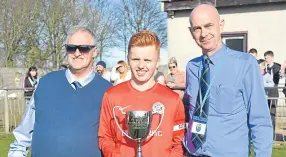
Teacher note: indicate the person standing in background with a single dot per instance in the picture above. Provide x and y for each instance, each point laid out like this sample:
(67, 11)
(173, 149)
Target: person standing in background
(176, 78)
(267, 78)
(30, 82)
(120, 73)
(253, 52)
(102, 71)
(273, 69)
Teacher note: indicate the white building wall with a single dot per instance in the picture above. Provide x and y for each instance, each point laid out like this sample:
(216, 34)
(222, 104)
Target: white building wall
(265, 24)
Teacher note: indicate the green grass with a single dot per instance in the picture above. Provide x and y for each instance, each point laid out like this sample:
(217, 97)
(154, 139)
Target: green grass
(279, 150)
(5, 141)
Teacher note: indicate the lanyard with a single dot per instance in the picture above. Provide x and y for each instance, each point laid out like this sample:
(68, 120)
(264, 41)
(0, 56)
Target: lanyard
(202, 101)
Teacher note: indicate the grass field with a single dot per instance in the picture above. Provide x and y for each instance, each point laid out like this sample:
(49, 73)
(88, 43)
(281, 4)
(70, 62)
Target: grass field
(279, 150)
(5, 141)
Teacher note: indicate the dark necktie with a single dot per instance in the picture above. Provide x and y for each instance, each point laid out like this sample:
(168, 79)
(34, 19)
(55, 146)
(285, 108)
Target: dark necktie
(202, 114)
(77, 85)
(268, 69)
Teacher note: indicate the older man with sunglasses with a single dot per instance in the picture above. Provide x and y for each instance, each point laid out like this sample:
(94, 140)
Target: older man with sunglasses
(62, 117)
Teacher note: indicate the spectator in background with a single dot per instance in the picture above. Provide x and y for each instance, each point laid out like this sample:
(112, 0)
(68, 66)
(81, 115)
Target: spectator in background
(274, 70)
(102, 71)
(267, 78)
(268, 82)
(120, 73)
(30, 82)
(176, 78)
(253, 52)
(159, 77)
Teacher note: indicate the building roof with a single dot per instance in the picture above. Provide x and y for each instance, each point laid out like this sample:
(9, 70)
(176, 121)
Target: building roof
(173, 5)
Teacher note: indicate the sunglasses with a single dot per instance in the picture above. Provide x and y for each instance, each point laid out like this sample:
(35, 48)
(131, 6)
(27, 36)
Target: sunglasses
(172, 67)
(82, 48)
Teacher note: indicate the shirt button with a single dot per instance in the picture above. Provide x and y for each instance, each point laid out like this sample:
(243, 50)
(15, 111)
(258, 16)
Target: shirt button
(204, 150)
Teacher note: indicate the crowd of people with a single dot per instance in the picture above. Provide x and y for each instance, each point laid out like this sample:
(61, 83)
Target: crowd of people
(76, 112)
(120, 73)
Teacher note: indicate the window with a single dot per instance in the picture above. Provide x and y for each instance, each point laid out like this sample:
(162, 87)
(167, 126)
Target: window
(235, 40)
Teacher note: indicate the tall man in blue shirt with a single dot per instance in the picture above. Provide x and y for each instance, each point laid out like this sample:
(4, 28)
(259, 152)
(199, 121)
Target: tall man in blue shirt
(62, 117)
(228, 108)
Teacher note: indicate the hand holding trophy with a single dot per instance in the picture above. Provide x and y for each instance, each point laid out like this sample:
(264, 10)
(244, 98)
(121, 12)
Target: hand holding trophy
(138, 124)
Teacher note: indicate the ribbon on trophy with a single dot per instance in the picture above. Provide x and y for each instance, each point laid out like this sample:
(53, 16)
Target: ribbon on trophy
(139, 122)
(158, 108)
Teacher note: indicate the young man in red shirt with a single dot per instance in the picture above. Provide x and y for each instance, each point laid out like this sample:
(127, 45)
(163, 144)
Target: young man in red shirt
(142, 93)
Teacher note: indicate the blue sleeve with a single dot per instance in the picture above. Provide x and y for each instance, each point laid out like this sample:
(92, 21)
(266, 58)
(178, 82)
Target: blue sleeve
(23, 133)
(258, 112)
(190, 83)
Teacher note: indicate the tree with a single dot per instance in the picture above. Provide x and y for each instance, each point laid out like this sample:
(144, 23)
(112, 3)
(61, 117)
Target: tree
(15, 15)
(140, 15)
(102, 23)
(34, 32)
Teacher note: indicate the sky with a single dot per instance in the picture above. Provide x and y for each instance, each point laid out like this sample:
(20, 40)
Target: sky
(117, 54)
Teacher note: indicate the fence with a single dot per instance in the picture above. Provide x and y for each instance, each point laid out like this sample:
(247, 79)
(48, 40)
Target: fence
(278, 114)
(13, 105)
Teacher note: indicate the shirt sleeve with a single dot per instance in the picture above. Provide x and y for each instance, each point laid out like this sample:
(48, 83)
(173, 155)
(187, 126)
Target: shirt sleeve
(23, 133)
(258, 113)
(189, 97)
(179, 130)
(106, 136)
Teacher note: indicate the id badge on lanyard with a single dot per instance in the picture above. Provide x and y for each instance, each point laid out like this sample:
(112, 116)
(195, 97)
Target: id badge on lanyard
(199, 123)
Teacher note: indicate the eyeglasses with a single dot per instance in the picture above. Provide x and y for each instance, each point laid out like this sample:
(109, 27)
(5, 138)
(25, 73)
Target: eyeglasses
(82, 48)
(172, 67)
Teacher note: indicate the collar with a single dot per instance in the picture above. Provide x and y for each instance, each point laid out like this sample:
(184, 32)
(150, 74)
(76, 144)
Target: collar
(214, 58)
(270, 65)
(84, 81)
(217, 55)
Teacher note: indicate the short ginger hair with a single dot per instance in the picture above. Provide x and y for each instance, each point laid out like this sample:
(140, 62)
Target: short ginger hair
(144, 38)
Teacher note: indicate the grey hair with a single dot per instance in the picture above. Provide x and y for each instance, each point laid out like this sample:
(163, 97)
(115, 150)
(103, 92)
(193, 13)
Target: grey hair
(76, 29)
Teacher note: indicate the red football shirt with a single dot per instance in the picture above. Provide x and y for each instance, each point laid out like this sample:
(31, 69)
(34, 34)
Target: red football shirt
(167, 141)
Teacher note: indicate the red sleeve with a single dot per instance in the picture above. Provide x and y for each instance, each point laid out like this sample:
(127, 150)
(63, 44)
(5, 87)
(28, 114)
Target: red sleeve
(179, 130)
(106, 134)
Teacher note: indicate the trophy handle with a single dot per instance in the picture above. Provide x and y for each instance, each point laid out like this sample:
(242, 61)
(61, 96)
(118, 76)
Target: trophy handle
(157, 126)
(120, 109)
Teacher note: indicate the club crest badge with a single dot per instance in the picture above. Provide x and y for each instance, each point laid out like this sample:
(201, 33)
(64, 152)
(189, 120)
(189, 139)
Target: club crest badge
(198, 127)
(158, 108)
